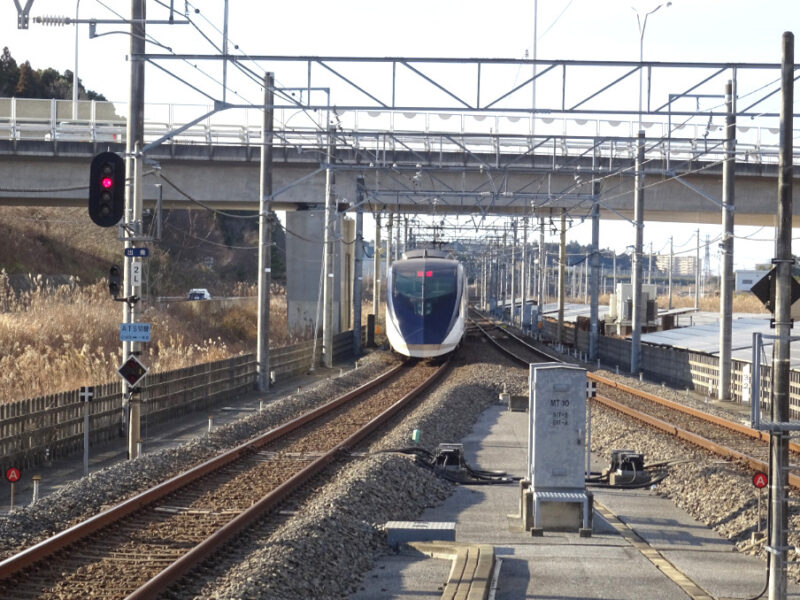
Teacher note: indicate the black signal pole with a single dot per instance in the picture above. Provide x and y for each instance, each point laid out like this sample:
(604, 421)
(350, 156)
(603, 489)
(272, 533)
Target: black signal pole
(779, 440)
(133, 200)
(265, 235)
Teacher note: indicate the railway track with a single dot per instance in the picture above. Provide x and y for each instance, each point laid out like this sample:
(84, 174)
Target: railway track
(726, 438)
(509, 343)
(140, 547)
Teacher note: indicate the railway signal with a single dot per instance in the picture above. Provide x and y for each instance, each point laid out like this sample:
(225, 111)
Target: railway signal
(107, 189)
(764, 290)
(114, 280)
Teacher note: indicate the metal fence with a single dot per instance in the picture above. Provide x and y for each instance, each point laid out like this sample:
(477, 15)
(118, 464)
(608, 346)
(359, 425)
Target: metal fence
(676, 367)
(35, 430)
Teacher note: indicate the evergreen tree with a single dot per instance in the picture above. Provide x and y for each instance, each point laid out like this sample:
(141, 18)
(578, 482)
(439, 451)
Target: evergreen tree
(26, 82)
(9, 73)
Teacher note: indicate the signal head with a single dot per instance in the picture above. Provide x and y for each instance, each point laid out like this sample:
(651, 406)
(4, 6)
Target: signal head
(107, 189)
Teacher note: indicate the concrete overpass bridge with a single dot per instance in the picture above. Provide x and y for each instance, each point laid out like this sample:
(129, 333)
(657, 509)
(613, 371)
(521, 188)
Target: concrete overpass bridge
(472, 168)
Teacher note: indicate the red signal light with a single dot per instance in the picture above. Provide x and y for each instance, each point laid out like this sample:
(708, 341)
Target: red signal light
(106, 196)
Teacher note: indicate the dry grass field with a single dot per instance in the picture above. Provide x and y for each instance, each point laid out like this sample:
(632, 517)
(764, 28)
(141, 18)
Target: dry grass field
(55, 339)
(59, 338)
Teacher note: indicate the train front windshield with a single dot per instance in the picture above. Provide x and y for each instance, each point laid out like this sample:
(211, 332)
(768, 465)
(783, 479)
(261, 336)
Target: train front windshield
(425, 300)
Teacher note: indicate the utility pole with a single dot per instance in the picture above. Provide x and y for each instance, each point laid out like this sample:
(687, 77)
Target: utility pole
(513, 271)
(779, 440)
(389, 226)
(328, 279)
(541, 293)
(523, 272)
(75, 72)
(594, 284)
(650, 265)
(562, 272)
(376, 269)
(726, 276)
(669, 277)
(504, 273)
(358, 266)
(697, 273)
(265, 235)
(586, 278)
(133, 205)
(638, 209)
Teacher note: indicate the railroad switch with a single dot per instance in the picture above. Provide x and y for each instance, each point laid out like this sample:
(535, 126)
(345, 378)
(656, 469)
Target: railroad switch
(627, 467)
(450, 457)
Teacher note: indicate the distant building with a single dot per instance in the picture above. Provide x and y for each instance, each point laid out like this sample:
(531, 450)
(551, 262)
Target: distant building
(681, 265)
(747, 279)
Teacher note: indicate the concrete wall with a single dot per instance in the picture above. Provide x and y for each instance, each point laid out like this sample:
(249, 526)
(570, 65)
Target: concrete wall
(678, 368)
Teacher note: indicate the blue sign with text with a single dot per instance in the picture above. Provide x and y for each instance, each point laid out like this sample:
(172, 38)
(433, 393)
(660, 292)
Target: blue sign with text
(137, 252)
(134, 332)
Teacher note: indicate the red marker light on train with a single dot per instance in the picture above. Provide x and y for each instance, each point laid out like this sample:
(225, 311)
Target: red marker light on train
(428, 273)
(419, 274)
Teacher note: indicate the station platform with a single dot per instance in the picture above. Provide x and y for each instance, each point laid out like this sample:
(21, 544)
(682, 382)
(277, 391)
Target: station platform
(642, 546)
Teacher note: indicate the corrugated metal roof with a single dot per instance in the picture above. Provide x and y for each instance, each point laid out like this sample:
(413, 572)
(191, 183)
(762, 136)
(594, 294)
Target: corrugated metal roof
(704, 337)
(572, 311)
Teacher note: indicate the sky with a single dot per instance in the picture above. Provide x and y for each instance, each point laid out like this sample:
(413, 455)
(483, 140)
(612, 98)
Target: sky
(686, 30)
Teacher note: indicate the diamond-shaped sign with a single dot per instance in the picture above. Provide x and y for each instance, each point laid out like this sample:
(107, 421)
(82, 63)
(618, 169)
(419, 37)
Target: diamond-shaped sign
(132, 371)
(764, 290)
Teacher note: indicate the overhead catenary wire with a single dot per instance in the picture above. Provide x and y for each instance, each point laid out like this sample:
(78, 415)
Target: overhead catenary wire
(603, 177)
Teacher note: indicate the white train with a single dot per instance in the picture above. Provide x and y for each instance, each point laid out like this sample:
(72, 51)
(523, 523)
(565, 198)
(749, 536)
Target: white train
(426, 304)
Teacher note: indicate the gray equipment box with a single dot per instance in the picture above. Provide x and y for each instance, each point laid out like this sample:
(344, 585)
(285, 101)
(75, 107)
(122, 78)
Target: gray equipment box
(557, 426)
(557, 447)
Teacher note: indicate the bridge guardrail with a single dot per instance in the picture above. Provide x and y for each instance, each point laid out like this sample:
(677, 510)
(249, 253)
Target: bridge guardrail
(385, 131)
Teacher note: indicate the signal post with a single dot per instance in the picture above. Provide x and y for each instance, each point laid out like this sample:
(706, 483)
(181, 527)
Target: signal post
(132, 228)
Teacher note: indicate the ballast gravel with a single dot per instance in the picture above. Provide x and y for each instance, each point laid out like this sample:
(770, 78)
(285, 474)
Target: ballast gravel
(330, 537)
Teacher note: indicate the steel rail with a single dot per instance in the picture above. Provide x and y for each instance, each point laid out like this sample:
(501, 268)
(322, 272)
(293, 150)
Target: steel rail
(213, 543)
(519, 359)
(724, 451)
(721, 421)
(61, 540)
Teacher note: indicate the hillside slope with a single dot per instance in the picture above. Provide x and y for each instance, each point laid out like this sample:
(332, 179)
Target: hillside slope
(198, 249)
